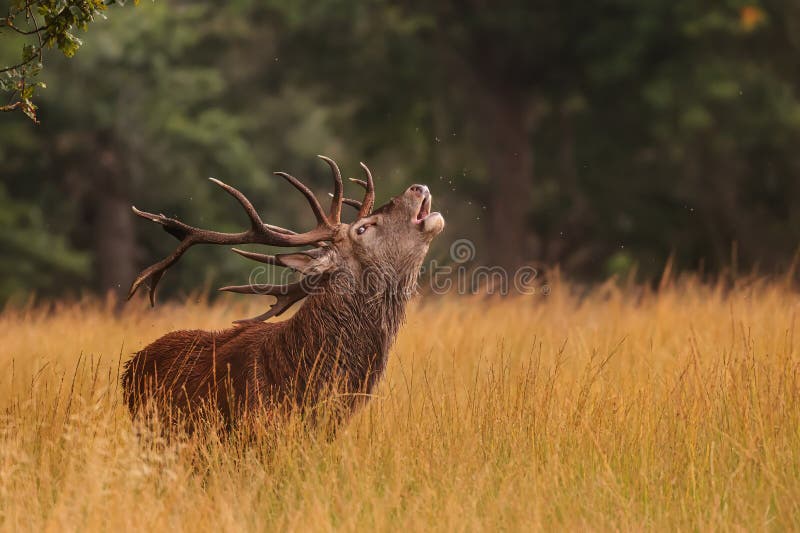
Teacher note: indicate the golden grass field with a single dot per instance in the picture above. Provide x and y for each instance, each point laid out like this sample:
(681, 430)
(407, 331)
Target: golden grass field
(624, 409)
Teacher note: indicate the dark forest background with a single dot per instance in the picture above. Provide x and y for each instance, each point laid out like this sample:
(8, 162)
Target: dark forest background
(601, 136)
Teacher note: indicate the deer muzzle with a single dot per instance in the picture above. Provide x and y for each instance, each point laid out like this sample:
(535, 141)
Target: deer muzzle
(430, 223)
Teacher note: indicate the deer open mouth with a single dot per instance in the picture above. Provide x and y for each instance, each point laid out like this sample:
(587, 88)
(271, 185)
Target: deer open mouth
(424, 209)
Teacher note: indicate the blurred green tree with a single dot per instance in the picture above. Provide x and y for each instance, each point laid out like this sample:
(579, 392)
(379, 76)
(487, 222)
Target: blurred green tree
(583, 125)
(602, 136)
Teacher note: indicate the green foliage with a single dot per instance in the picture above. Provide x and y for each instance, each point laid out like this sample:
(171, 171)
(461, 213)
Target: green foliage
(43, 24)
(34, 255)
(649, 129)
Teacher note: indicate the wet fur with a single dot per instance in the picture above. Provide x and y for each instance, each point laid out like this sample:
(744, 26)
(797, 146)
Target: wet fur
(331, 353)
(335, 346)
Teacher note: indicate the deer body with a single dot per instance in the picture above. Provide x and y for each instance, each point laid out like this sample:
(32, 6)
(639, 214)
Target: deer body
(334, 347)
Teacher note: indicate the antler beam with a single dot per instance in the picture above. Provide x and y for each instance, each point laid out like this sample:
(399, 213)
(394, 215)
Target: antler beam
(259, 232)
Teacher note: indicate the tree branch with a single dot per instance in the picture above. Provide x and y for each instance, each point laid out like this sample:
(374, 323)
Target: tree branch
(36, 55)
(12, 107)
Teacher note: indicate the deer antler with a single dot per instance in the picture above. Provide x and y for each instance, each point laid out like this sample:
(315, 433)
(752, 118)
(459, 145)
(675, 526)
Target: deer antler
(258, 233)
(369, 195)
(364, 207)
(286, 296)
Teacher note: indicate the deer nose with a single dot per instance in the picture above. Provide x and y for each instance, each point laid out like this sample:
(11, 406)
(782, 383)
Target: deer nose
(420, 189)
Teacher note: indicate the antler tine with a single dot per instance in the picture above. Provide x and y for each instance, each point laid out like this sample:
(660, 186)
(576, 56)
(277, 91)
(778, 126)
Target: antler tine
(255, 220)
(338, 190)
(358, 182)
(369, 195)
(352, 203)
(349, 201)
(261, 258)
(279, 229)
(312, 200)
(286, 296)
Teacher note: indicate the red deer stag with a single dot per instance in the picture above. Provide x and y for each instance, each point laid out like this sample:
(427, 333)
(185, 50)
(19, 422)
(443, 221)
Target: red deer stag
(357, 279)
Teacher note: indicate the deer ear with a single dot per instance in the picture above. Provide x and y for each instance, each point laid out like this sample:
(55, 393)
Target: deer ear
(316, 261)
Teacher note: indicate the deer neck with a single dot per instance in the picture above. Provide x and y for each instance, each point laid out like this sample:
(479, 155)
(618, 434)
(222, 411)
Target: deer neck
(355, 323)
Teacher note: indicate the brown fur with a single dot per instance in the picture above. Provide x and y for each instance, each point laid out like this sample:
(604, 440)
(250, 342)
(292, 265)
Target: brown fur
(335, 347)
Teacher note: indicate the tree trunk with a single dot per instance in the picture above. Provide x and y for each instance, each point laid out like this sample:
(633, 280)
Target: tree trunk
(114, 243)
(509, 158)
(101, 188)
(114, 236)
(502, 121)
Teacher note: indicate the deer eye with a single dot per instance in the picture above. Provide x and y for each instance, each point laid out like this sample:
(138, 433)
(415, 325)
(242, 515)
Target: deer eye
(361, 230)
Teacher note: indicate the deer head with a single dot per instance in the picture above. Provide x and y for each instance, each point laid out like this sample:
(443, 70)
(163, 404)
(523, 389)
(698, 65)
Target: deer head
(380, 250)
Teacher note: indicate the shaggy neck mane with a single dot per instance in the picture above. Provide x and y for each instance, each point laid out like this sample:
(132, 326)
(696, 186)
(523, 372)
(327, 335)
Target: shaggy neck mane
(348, 328)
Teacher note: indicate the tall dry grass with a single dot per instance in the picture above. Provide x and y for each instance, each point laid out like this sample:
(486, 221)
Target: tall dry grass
(622, 409)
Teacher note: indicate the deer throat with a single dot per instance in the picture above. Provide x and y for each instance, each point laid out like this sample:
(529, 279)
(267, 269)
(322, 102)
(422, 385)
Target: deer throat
(352, 331)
